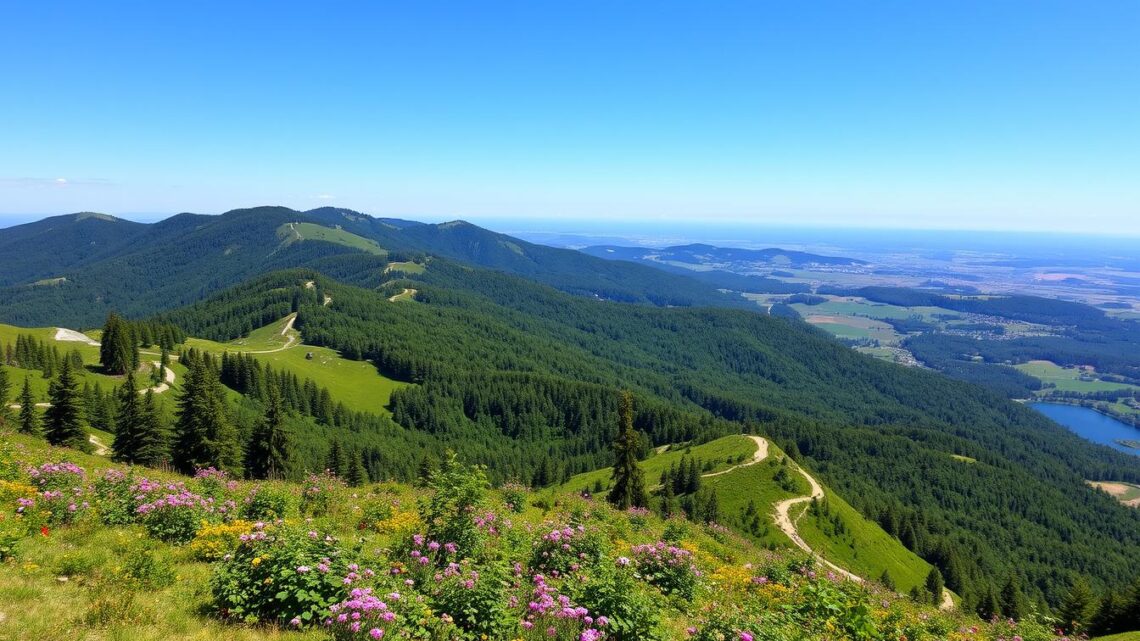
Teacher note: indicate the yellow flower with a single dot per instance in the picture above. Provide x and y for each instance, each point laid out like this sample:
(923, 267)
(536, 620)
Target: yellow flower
(256, 561)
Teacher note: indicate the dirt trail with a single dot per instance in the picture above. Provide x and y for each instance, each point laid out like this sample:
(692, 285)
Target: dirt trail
(167, 381)
(290, 338)
(785, 523)
(101, 448)
(407, 293)
(760, 455)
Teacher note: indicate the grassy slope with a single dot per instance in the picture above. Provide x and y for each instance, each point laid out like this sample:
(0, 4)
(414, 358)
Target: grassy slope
(295, 232)
(724, 452)
(865, 549)
(1067, 379)
(357, 384)
(1123, 636)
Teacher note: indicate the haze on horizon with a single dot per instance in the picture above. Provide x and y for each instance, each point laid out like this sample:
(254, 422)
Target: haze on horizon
(978, 115)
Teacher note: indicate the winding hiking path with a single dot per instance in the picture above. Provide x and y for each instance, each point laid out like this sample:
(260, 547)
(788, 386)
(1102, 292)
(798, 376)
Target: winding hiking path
(72, 336)
(788, 526)
(287, 332)
(404, 295)
(760, 455)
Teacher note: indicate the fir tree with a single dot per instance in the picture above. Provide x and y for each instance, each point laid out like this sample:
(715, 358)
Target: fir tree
(118, 351)
(64, 419)
(934, 585)
(5, 395)
(151, 438)
(204, 435)
(887, 581)
(629, 481)
(337, 462)
(1077, 608)
(1011, 600)
(29, 419)
(129, 420)
(357, 475)
(270, 449)
(988, 605)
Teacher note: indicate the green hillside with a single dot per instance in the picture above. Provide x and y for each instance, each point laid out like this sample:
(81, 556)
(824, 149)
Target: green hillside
(127, 563)
(298, 232)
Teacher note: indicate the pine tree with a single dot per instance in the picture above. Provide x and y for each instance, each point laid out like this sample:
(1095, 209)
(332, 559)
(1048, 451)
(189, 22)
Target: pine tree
(270, 448)
(152, 440)
(129, 419)
(64, 419)
(337, 462)
(988, 605)
(357, 475)
(887, 581)
(629, 481)
(204, 435)
(29, 420)
(1108, 617)
(668, 501)
(5, 396)
(118, 351)
(1077, 608)
(934, 585)
(1011, 600)
(693, 477)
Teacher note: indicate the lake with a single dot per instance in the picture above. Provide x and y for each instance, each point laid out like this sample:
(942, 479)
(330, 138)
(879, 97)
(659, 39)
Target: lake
(1090, 424)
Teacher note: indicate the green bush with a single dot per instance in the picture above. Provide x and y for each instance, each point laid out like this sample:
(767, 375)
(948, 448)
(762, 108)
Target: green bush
(267, 502)
(614, 592)
(277, 574)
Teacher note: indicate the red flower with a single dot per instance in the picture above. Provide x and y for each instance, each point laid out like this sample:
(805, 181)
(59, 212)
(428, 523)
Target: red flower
(44, 530)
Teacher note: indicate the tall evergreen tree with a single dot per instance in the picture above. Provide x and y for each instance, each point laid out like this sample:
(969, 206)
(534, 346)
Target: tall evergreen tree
(29, 419)
(989, 606)
(152, 440)
(1012, 600)
(1077, 608)
(357, 475)
(270, 448)
(629, 480)
(337, 461)
(887, 581)
(1108, 618)
(204, 435)
(64, 419)
(128, 421)
(934, 585)
(5, 396)
(118, 350)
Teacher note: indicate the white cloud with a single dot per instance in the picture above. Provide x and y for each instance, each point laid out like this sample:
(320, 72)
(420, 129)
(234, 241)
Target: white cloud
(325, 197)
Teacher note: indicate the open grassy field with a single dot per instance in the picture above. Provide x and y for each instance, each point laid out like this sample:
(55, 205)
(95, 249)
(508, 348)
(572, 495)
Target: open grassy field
(1126, 493)
(296, 232)
(357, 384)
(406, 267)
(1123, 636)
(1067, 379)
(863, 547)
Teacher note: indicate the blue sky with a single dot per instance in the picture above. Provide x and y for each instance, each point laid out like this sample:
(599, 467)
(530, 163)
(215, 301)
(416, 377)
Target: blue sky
(987, 115)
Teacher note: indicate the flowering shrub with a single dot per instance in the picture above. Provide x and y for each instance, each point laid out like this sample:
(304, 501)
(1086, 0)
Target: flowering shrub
(61, 491)
(565, 549)
(115, 497)
(373, 613)
(318, 493)
(175, 516)
(629, 612)
(211, 481)
(400, 524)
(515, 497)
(214, 541)
(458, 493)
(668, 567)
(475, 600)
(281, 574)
(551, 615)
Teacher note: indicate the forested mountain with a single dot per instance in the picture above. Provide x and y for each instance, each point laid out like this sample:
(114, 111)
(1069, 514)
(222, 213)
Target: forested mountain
(495, 356)
(46, 248)
(91, 264)
(514, 362)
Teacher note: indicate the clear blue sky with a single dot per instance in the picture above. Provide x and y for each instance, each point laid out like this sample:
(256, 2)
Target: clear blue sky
(990, 114)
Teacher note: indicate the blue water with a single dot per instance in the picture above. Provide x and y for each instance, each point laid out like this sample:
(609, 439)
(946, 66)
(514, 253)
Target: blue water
(1090, 424)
